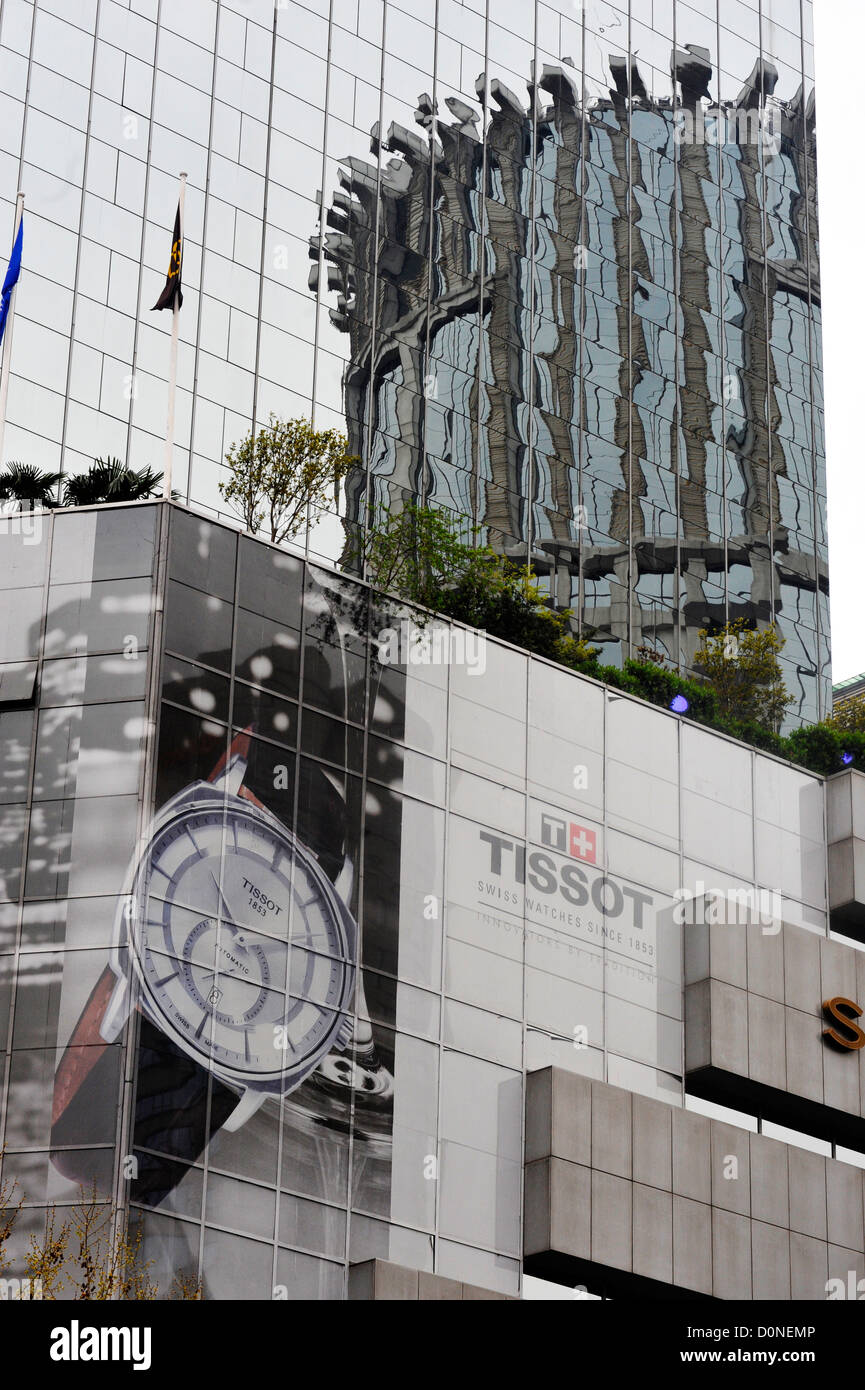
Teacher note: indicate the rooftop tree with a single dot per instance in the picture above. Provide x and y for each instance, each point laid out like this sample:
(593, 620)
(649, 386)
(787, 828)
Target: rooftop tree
(109, 480)
(281, 471)
(743, 668)
(22, 482)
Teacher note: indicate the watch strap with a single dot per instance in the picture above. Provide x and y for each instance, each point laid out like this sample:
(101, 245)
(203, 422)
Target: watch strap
(85, 1046)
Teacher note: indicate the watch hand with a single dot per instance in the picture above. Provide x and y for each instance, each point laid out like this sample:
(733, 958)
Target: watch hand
(225, 908)
(266, 944)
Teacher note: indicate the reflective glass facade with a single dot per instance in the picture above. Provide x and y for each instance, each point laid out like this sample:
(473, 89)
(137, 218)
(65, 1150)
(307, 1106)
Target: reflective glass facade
(564, 277)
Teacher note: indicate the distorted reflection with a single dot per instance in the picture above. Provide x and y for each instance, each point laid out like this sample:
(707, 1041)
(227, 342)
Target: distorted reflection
(592, 325)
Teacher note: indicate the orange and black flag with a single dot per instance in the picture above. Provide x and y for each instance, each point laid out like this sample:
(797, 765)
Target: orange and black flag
(172, 292)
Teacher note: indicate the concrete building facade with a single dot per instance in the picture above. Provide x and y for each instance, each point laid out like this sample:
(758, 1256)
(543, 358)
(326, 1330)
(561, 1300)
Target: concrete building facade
(318, 952)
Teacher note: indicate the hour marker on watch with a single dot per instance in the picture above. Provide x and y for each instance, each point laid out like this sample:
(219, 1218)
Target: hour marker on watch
(172, 975)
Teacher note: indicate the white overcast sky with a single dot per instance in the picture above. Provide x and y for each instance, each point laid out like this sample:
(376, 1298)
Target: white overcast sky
(839, 44)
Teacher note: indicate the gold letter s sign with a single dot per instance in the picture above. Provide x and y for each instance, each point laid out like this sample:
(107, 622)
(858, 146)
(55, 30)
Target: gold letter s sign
(843, 1011)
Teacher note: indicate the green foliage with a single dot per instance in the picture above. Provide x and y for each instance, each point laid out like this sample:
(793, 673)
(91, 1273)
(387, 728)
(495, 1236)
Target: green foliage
(848, 715)
(425, 557)
(419, 552)
(280, 471)
(653, 682)
(109, 480)
(21, 482)
(503, 599)
(743, 667)
(820, 746)
(757, 735)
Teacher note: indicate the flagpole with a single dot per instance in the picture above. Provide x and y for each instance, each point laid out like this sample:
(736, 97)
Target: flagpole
(7, 337)
(172, 370)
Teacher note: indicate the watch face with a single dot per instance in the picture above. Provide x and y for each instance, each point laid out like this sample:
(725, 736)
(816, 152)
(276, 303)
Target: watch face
(241, 944)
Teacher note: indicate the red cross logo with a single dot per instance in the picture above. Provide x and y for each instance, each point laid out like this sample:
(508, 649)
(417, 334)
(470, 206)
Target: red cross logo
(583, 843)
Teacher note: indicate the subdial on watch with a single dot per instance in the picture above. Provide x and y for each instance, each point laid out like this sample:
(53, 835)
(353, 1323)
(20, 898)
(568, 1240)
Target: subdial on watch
(226, 973)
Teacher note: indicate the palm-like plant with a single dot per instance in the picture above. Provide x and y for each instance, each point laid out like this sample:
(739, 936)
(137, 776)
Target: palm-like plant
(109, 480)
(22, 482)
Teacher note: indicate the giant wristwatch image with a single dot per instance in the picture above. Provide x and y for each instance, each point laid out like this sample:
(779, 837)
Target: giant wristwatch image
(241, 955)
(241, 949)
(235, 950)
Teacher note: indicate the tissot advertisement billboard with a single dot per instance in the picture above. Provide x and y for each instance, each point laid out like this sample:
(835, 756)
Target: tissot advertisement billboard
(236, 946)
(324, 908)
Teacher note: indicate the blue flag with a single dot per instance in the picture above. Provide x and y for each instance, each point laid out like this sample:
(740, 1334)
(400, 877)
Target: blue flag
(11, 280)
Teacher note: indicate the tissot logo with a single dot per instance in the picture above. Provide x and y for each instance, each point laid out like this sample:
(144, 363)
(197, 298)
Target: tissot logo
(568, 838)
(541, 872)
(261, 897)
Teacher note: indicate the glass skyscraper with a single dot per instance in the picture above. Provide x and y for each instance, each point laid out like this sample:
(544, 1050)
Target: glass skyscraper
(342, 958)
(564, 278)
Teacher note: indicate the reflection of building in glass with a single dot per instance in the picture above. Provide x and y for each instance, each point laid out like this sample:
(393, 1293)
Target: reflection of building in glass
(454, 972)
(593, 328)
